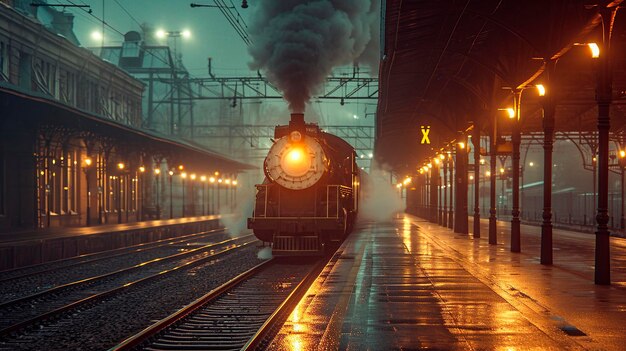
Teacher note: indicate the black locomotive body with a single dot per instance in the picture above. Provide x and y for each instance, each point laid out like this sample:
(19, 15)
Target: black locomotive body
(309, 198)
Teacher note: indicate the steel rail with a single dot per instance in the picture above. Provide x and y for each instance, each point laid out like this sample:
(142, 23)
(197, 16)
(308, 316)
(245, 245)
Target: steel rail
(137, 266)
(267, 331)
(163, 325)
(100, 296)
(124, 251)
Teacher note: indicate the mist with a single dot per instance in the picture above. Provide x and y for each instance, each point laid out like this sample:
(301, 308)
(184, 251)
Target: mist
(380, 200)
(297, 43)
(236, 220)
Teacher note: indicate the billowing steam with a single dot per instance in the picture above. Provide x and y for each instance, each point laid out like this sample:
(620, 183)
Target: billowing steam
(297, 43)
(380, 200)
(265, 253)
(235, 216)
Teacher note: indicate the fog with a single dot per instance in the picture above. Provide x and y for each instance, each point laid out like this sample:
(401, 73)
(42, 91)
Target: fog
(380, 200)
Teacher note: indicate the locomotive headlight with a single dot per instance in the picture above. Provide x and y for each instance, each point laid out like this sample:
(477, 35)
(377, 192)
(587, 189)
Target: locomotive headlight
(296, 165)
(296, 162)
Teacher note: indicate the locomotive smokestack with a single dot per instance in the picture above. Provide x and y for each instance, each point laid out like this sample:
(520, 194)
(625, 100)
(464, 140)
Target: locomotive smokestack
(297, 118)
(297, 123)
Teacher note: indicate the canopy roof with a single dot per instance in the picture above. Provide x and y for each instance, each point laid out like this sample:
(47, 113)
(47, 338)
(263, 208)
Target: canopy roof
(36, 108)
(447, 63)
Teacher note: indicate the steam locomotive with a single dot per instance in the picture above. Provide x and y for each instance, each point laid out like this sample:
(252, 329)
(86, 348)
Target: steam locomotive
(309, 198)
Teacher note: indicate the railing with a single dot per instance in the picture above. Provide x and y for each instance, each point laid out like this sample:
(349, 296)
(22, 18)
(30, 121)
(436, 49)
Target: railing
(331, 202)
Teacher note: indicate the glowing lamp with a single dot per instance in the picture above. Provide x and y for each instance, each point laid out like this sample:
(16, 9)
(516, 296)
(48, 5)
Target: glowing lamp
(171, 173)
(142, 169)
(96, 35)
(541, 89)
(296, 162)
(595, 50)
(511, 112)
(88, 162)
(203, 178)
(120, 166)
(461, 145)
(193, 176)
(157, 171)
(622, 153)
(212, 180)
(184, 175)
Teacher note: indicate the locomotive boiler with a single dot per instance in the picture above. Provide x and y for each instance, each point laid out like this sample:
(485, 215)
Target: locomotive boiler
(309, 199)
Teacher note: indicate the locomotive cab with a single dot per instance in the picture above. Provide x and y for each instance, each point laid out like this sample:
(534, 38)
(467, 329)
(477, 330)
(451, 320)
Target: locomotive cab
(308, 201)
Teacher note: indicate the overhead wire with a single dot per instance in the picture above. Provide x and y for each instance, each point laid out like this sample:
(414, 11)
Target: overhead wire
(127, 12)
(241, 30)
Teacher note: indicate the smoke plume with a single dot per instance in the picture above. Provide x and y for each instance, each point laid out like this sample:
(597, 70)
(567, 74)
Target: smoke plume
(296, 43)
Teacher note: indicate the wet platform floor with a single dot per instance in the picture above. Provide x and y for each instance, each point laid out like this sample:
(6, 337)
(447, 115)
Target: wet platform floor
(412, 285)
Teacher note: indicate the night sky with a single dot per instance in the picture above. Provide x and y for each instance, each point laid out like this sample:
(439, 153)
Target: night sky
(212, 36)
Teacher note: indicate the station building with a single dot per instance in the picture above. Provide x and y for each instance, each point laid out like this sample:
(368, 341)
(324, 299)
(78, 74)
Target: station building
(72, 148)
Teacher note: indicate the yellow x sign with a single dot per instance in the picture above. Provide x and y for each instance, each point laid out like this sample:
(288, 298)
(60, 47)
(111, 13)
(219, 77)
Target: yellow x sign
(425, 131)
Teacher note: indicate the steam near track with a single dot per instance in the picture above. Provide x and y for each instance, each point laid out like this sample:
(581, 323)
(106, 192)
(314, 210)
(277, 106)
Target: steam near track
(380, 200)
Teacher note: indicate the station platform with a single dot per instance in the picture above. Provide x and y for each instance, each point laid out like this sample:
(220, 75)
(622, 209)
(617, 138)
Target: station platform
(23, 248)
(411, 284)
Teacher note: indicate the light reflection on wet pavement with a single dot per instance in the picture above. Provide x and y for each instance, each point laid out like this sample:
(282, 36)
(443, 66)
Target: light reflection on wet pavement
(414, 285)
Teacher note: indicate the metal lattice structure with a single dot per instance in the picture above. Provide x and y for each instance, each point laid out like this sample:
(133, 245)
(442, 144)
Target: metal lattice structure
(252, 142)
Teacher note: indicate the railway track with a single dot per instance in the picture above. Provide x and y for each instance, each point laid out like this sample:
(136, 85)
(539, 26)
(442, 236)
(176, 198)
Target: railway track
(51, 266)
(30, 311)
(242, 312)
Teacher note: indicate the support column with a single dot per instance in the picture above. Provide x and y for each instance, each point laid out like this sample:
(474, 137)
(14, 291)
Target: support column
(460, 205)
(445, 192)
(603, 97)
(452, 187)
(493, 235)
(548, 141)
(434, 179)
(476, 143)
(517, 138)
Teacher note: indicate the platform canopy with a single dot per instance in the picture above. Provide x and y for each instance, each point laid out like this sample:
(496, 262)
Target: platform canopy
(43, 111)
(449, 63)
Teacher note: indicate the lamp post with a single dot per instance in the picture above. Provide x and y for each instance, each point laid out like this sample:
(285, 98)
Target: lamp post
(622, 165)
(477, 163)
(175, 34)
(219, 205)
(171, 175)
(229, 203)
(604, 95)
(120, 167)
(203, 180)
(157, 172)
(142, 170)
(183, 176)
(87, 168)
(452, 187)
(212, 198)
(234, 184)
(192, 176)
(515, 158)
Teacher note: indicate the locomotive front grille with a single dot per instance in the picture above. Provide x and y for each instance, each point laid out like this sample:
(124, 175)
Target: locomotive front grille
(299, 244)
